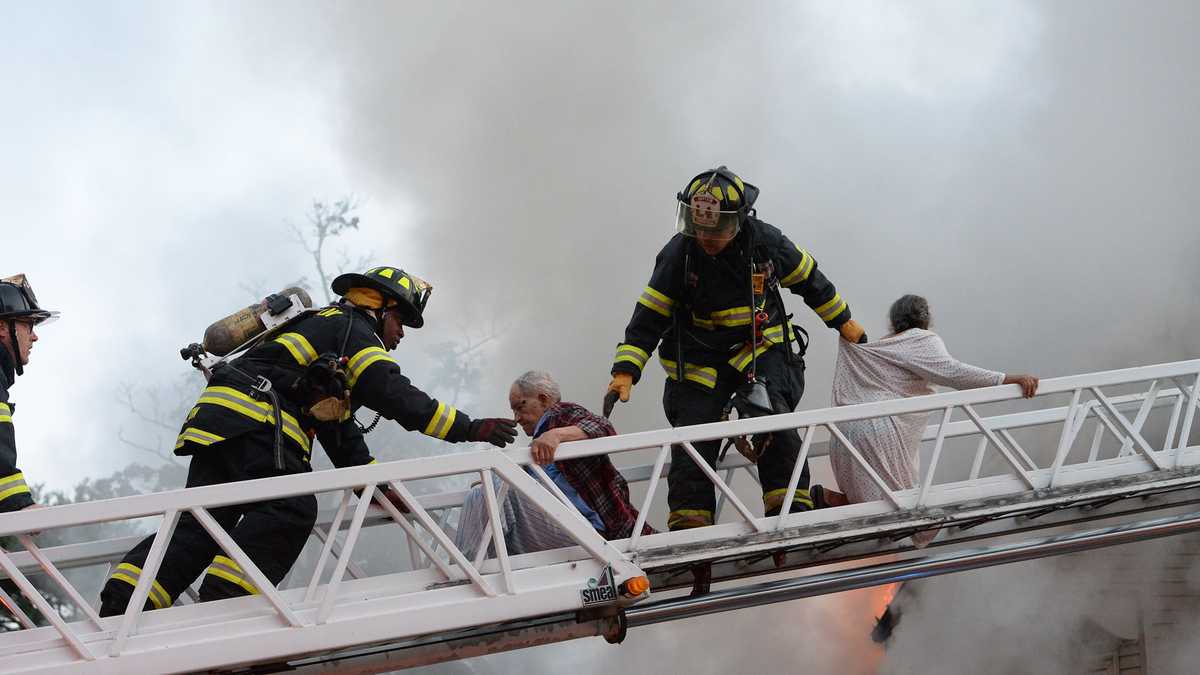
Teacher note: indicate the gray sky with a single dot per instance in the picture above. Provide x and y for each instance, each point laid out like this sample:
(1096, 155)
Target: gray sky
(1027, 166)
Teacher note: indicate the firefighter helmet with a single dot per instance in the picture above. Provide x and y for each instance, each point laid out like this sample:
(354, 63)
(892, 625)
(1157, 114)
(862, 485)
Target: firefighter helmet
(17, 301)
(408, 291)
(716, 202)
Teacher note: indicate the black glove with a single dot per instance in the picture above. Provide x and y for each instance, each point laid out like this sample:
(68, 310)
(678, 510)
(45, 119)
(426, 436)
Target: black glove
(495, 430)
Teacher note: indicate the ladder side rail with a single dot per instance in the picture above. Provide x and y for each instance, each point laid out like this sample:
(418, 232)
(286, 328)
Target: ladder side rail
(928, 403)
(125, 508)
(77, 549)
(241, 492)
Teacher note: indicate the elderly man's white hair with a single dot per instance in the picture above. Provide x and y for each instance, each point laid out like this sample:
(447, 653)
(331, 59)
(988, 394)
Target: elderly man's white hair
(536, 382)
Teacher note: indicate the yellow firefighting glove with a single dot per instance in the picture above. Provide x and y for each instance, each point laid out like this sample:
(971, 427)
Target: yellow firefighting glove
(619, 388)
(852, 332)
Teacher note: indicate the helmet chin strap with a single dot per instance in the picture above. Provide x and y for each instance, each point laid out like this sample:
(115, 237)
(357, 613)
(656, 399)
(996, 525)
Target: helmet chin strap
(16, 349)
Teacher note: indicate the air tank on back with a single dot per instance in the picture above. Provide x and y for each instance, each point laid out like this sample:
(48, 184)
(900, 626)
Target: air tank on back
(229, 333)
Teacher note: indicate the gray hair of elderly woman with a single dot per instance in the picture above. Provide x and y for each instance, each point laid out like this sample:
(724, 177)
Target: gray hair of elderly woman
(535, 382)
(910, 311)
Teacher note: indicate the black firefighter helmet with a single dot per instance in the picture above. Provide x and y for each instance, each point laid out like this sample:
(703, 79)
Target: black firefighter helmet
(18, 303)
(715, 202)
(408, 291)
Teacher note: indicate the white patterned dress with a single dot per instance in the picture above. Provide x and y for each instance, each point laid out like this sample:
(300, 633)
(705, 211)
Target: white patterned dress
(898, 366)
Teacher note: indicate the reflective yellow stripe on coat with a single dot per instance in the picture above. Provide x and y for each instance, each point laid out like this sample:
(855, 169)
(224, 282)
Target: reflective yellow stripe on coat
(631, 354)
(653, 300)
(364, 359)
(830, 310)
(771, 337)
(698, 374)
(801, 272)
(13, 485)
(299, 347)
(441, 421)
(5, 413)
(259, 411)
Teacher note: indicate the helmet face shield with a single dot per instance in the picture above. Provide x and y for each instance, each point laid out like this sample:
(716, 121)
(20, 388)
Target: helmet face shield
(701, 216)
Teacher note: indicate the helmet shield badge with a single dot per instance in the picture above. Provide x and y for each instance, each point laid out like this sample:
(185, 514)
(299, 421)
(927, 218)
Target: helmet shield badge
(712, 206)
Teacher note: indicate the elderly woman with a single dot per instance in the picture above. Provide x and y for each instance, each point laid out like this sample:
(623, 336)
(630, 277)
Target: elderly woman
(905, 363)
(592, 484)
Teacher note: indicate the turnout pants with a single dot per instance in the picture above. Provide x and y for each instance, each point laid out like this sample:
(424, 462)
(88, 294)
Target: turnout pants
(690, 494)
(272, 533)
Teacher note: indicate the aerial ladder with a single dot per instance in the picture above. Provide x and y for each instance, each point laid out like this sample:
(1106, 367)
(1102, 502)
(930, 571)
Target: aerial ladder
(1093, 460)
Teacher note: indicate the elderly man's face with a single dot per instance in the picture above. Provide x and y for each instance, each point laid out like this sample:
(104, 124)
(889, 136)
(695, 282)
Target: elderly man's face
(527, 409)
(26, 336)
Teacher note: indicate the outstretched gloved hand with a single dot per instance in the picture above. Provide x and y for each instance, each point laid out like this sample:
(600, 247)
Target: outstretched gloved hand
(852, 332)
(495, 430)
(619, 388)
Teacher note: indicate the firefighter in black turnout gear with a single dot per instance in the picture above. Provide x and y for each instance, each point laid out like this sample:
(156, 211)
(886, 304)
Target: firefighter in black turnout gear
(19, 314)
(714, 310)
(259, 414)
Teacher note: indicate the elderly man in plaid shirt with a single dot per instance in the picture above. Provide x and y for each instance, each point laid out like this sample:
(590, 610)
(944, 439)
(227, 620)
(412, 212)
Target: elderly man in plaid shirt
(592, 484)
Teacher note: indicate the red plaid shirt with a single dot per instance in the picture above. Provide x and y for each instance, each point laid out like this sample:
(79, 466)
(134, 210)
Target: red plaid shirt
(595, 478)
